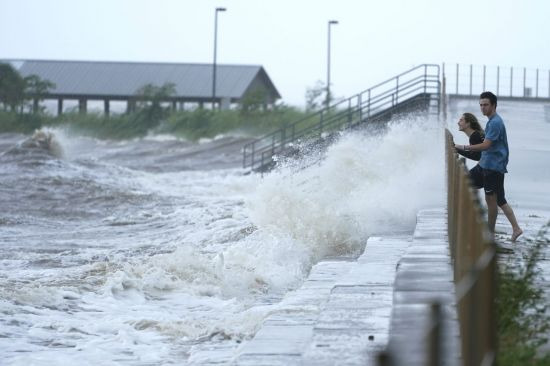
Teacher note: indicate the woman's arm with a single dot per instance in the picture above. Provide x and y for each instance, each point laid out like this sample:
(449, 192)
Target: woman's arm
(475, 139)
(474, 155)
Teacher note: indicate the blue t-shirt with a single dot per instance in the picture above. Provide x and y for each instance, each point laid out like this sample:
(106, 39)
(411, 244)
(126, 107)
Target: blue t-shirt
(495, 157)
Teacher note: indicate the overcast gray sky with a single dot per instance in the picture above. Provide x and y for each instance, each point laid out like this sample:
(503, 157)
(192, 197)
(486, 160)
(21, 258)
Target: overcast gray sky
(374, 40)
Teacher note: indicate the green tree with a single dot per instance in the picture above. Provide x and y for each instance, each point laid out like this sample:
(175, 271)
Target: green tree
(12, 87)
(254, 100)
(151, 97)
(314, 96)
(36, 88)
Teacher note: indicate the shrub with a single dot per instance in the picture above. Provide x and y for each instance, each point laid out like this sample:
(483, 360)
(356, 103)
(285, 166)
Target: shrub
(523, 321)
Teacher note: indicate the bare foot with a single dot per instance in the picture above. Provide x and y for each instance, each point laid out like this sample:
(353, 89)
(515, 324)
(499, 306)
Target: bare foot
(516, 234)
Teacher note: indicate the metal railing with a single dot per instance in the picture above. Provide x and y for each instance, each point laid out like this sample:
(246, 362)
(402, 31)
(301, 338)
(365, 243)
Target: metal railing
(474, 257)
(512, 82)
(474, 260)
(418, 85)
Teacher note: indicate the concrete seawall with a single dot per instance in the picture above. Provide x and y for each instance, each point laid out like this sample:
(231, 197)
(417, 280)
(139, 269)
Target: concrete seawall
(346, 312)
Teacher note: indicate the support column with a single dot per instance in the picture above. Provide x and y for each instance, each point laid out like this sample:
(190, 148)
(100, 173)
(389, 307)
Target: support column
(130, 106)
(225, 103)
(82, 105)
(59, 107)
(106, 107)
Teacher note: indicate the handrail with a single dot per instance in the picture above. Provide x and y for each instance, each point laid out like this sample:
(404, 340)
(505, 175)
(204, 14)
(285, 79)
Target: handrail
(474, 256)
(474, 259)
(360, 108)
(506, 82)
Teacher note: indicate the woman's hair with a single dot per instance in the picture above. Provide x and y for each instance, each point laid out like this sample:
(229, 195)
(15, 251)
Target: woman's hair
(473, 122)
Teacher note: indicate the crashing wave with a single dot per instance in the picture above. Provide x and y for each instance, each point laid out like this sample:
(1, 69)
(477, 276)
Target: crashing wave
(44, 141)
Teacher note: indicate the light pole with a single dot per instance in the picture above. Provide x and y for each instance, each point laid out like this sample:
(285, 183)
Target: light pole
(330, 23)
(215, 51)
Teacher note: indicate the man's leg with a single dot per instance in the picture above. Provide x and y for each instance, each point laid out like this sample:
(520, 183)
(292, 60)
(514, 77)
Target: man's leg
(492, 210)
(512, 218)
(501, 202)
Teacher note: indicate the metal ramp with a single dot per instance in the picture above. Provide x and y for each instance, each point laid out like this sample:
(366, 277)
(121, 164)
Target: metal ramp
(416, 90)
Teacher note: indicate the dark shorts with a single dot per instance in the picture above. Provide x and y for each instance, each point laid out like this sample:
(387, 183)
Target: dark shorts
(490, 180)
(476, 176)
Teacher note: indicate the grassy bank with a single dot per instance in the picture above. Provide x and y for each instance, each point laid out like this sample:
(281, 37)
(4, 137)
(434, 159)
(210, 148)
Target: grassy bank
(193, 124)
(523, 318)
(206, 123)
(22, 123)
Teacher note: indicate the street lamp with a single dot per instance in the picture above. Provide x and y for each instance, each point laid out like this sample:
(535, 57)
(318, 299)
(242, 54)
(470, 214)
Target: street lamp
(215, 51)
(330, 23)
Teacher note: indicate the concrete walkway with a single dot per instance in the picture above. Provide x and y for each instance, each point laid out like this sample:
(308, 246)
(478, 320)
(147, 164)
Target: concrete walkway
(347, 312)
(425, 275)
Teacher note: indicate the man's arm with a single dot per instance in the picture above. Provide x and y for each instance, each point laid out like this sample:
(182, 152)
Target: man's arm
(478, 147)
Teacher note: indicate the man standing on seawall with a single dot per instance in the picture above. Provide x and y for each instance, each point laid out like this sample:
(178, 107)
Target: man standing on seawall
(494, 159)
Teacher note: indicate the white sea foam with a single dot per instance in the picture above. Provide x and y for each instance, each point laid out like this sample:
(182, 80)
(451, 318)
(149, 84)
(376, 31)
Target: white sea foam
(211, 252)
(366, 184)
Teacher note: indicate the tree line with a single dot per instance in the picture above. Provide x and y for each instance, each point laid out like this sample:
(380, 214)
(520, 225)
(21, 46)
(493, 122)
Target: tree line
(18, 93)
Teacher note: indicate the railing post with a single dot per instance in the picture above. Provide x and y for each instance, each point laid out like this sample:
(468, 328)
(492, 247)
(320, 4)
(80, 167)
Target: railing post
(537, 83)
(524, 85)
(483, 78)
(262, 161)
(471, 71)
(384, 358)
(457, 79)
(253, 156)
(435, 335)
(443, 71)
(360, 107)
(491, 292)
(443, 97)
(426, 78)
(368, 104)
(511, 79)
(443, 100)
(498, 79)
(350, 112)
(396, 89)
(473, 321)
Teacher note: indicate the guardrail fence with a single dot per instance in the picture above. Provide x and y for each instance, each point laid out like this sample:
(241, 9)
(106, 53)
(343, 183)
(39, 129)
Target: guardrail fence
(514, 82)
(474, 259)
(417, 88)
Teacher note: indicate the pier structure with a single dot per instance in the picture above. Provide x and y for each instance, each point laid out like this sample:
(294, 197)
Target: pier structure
(187, 85)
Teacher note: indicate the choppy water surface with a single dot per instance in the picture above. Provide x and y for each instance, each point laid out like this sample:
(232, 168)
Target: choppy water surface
(145, 252)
